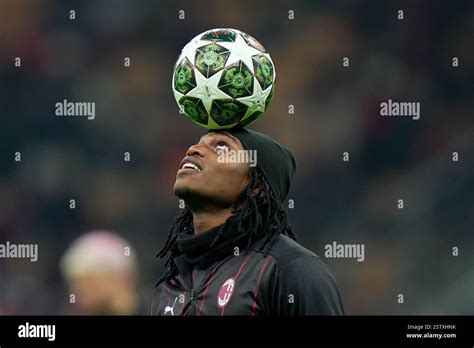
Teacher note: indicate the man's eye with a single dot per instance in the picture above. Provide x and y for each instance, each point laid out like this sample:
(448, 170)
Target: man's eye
(222, 147)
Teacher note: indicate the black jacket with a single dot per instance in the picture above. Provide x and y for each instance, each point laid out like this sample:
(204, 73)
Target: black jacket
(230, 280)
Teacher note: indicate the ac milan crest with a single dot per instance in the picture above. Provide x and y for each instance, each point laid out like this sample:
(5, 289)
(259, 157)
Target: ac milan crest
(225, 292)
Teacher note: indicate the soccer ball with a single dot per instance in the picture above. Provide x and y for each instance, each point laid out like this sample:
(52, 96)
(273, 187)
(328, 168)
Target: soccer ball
(224, 78)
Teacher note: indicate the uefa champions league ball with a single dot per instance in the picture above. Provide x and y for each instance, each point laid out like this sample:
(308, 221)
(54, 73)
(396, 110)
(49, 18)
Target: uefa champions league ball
(223, 78)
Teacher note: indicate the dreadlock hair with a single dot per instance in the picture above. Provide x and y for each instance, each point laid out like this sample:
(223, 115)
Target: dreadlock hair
(257, 214)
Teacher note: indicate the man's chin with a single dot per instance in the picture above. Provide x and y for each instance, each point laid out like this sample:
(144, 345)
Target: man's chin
(185, 192)
(196, 200)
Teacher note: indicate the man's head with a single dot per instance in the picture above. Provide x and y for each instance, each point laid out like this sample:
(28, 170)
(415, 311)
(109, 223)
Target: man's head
(254, 193)
(217, 169)
(206, 182)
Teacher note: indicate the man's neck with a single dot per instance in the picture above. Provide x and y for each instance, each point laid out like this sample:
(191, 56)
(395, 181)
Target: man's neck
(203, 221)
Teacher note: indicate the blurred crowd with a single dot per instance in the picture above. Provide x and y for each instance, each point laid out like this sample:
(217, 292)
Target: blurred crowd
(409, 251)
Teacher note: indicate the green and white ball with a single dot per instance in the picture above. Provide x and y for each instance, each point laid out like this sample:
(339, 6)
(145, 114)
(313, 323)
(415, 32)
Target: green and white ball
(223, 78)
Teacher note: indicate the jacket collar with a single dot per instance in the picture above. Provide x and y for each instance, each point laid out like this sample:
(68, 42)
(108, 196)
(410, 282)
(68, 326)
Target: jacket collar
(195, 249)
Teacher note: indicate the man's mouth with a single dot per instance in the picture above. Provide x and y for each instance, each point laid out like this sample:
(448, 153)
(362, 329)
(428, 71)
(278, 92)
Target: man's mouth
(189, 165)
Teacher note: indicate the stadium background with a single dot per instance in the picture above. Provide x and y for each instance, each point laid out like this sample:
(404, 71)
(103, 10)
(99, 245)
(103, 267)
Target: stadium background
(407, 251)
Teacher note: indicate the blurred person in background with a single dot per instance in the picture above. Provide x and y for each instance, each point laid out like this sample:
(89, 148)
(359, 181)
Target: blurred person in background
(100, 269)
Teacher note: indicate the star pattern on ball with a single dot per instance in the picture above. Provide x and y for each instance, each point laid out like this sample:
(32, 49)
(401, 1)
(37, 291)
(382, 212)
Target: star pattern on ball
(207, 89)
(240, 50)
(256, 101)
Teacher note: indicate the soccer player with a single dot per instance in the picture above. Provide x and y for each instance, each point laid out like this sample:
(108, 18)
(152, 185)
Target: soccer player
(231, 251)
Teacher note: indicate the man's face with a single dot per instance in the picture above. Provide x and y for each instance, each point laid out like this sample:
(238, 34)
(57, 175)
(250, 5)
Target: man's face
(201, 178)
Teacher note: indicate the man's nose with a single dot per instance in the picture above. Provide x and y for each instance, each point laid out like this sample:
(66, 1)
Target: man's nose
(195, 150)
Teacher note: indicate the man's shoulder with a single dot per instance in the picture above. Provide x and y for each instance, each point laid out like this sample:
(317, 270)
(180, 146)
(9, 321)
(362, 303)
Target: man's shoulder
(285, 250)
(300, 272)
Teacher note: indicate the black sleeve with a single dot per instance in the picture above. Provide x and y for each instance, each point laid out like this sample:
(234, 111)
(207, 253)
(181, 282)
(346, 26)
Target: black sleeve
(306, 287)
